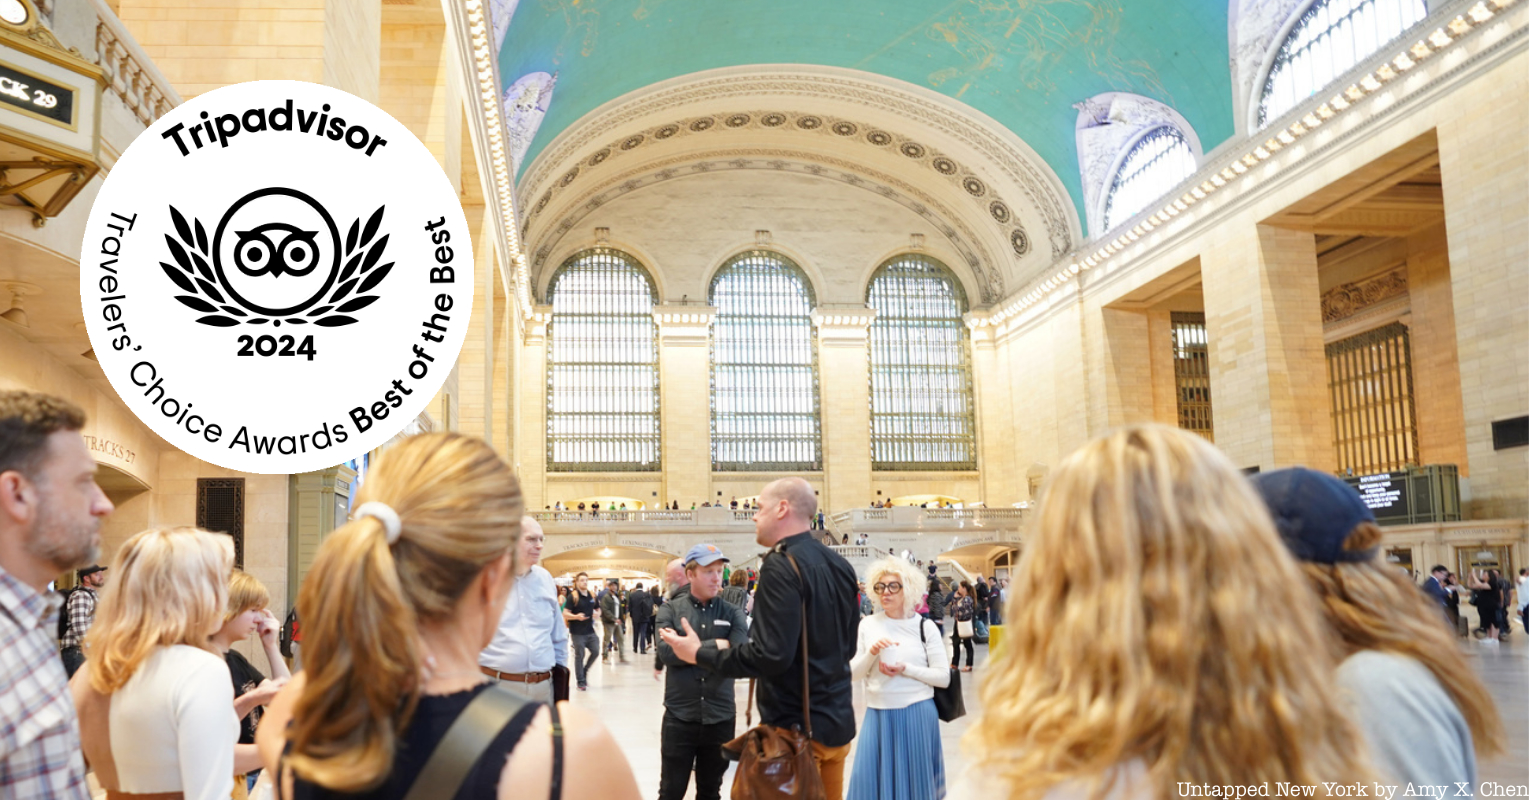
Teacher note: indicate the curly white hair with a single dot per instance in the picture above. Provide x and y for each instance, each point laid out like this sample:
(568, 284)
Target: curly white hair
(900, 571)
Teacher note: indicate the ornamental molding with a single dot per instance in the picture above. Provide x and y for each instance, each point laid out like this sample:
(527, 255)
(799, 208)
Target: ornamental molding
(990, 280)
(1348, 299)
(990, 205)
(1007, 154)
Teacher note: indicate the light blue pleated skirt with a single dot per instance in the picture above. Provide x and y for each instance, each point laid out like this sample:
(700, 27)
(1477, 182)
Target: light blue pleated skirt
(899, 755)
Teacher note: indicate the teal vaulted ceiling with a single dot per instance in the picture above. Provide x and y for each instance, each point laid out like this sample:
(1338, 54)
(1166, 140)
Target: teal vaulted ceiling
(1022, 62)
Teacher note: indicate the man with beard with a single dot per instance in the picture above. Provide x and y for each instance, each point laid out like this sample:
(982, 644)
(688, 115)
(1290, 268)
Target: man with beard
(50, 522)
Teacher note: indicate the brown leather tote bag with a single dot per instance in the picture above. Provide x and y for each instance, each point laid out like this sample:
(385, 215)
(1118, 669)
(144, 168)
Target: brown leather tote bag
(776, 762)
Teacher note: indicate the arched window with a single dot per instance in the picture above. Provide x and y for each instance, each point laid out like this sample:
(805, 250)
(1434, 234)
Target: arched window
(1328, 40)
(921, 376)
(602, 366)
(1158, 161)
(764, 367)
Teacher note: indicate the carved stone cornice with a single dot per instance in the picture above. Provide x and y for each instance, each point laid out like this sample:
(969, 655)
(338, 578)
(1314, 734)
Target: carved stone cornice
(1348, 299)
(1011, 159)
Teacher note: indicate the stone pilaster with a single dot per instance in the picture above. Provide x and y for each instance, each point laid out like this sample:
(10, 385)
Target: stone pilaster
(685, 409)
(531, 445)
(1267, 365)
(845, 390)
(995, 416)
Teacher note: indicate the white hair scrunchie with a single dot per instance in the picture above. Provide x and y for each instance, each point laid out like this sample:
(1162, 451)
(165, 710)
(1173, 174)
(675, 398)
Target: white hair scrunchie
(385, 514)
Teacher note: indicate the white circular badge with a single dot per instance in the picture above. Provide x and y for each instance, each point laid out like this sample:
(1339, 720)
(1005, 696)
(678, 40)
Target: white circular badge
(277, 277)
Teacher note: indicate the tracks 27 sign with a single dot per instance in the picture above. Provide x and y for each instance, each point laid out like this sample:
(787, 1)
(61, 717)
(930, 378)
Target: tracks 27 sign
(277, 277)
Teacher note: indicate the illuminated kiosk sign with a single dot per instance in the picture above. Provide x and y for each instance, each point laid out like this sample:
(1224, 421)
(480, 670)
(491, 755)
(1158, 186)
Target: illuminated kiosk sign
(1385, 494)
(29, 93)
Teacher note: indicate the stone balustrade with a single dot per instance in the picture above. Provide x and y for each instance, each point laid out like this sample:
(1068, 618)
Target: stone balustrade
(934, 520)
(130, 73)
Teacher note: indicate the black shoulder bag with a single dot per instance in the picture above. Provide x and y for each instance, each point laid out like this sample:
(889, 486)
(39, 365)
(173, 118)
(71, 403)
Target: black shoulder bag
(947, 701)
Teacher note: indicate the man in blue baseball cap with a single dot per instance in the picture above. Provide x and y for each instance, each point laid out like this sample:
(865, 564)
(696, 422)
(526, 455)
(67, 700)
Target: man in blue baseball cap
(699, 713)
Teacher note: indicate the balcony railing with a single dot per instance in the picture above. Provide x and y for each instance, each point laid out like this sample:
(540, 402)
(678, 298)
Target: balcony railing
(915, 519)
(129, 72)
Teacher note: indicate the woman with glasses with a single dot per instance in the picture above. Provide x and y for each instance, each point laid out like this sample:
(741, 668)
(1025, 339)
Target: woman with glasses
(901, 658)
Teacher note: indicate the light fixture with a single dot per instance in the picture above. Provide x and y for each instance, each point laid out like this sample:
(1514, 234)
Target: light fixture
(17, 315)
(606, 552)
(1486, 556)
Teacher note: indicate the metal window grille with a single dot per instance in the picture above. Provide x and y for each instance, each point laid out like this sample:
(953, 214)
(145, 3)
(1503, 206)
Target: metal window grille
(220, 509)
(1156, 163)
(1329, 39)
(1191, 373)
(764, 367)
(602, 366)
(1374, 419)
(921, 378)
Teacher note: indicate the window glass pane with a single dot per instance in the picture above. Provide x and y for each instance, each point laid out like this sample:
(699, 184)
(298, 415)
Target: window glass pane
(1191, 372)
(764, 369)
(921, 379)
(1328, 40)
(1157, 162)
(1374, 421)
(602, 366)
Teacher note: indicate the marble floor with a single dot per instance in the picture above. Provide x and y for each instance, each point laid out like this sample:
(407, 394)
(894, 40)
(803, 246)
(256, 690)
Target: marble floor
(630, 702)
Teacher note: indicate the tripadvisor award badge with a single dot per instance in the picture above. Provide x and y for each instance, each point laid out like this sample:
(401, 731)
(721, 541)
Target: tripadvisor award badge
(276, 277)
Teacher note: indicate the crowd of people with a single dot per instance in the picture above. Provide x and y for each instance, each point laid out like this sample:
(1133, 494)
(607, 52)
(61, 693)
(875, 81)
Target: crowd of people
(1205, 628)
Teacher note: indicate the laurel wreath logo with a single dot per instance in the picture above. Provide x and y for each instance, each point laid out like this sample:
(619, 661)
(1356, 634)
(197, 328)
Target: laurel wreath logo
(193, 274)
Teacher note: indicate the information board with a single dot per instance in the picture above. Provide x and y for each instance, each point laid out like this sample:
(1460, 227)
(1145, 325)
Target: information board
(1385, 494)
(29, 93)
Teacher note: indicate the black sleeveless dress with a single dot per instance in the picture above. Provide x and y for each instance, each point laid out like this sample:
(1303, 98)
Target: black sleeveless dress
(431, 720)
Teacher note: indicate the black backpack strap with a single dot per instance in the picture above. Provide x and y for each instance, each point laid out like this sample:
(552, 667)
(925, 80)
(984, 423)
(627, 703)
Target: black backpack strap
(556, 793)
(464, 743)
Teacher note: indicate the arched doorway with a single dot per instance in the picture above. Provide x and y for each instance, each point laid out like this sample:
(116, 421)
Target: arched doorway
(627, 564)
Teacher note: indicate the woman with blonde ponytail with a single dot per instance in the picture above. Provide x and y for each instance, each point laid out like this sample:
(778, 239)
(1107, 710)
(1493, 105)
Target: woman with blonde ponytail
(1425, 712)
(155, 703)
(396, 608)
(1165, 638)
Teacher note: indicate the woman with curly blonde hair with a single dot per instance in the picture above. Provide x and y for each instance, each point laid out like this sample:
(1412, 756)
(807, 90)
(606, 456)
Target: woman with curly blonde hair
(155, 703)
(1165, 636)
(1423, 709)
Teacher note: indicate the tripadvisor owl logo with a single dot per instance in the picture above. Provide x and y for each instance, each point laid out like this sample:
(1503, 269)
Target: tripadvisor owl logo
(277, 277)
(236, 278)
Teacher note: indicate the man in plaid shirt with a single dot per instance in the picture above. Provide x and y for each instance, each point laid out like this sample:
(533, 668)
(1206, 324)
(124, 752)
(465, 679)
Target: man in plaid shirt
(50, 521)
(80, 611)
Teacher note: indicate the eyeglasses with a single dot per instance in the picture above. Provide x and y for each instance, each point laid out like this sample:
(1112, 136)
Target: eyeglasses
(885, 588)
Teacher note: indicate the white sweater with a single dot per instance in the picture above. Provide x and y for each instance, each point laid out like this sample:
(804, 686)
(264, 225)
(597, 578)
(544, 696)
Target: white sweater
(927, 666)
(173, 727)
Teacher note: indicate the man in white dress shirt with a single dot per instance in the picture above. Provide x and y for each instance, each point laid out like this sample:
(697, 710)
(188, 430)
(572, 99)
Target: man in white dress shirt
(532, 636)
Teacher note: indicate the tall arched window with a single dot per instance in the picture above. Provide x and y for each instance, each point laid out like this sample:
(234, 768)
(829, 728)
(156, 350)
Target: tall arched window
(1157, 162)
(921, 376)
(602, 366)
(1328, 40)
(764, 368)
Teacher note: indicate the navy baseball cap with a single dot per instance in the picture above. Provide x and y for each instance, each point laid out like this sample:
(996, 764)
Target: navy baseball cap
(1314, 513)
(704, 554)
